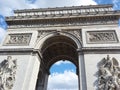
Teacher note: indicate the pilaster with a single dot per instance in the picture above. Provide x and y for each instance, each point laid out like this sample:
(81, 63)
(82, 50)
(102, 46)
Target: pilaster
(82, 74)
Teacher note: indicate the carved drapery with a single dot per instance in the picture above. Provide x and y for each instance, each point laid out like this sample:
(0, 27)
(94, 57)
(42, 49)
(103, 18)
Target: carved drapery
(109, 74)
(7, 73)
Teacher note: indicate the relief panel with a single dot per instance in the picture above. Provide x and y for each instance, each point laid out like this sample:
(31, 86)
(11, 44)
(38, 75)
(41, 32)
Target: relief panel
(18, 39)
(102, 37)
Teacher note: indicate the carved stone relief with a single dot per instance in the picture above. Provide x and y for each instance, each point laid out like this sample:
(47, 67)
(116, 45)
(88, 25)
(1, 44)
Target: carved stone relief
(101, 36)
(75, 32)
(18, 39)
(43, 33)
(108, 74)
(7, 73)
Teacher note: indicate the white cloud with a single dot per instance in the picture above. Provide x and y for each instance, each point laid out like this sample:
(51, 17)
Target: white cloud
(63, 81)
(62, 62)
(60, 3)
(2, 33)
(7, 6)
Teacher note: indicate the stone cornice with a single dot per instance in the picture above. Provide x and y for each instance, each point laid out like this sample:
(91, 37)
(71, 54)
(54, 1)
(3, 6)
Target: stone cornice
(25, 50)
(77, 21)
(64, 8)
(98, 50)
(67, 15)
(101, 48)
(19, 50)
(64, 16)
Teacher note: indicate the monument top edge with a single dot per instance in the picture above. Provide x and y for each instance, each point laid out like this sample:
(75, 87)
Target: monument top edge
(64, 8)
(63, 12)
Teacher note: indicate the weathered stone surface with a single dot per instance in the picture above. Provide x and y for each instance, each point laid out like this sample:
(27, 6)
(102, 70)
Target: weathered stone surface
(83, 35)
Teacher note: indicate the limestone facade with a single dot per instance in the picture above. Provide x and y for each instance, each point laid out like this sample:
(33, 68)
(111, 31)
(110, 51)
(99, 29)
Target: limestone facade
(84, 35)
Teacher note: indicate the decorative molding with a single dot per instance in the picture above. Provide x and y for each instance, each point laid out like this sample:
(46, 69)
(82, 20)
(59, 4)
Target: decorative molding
(108, 74)
(64, 10)
(18, 39)
(67, 21)
(7, 73)
(101, 37)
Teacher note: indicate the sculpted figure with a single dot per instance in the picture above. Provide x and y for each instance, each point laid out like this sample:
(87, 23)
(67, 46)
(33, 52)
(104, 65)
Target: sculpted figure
(109, 74)
(7, 73)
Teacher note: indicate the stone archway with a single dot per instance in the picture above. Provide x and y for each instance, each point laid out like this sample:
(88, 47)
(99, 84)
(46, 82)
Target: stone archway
(36, 38)
(55, 48)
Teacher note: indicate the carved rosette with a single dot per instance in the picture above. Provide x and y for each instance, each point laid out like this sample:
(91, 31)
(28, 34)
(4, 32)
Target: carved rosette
(108, 74)
(7, 73)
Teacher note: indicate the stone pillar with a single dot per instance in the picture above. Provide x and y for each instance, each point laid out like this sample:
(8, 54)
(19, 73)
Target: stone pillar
(82, 75)
(46, 81)
(27, 72)
(34, 68)
(42, 80)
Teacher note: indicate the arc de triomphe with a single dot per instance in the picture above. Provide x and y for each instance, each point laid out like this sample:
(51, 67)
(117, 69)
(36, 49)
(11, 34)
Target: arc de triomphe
(88, 36)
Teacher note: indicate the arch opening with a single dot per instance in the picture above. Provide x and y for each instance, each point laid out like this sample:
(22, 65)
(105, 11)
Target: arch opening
(54, 49)
(63, 76)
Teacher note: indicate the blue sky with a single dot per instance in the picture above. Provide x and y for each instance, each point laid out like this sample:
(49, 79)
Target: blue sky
(60, 69)
(60, 66)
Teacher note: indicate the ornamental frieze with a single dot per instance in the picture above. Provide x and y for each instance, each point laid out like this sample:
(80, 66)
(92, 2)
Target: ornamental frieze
(101, 36)
(63, 22)
(18, 39)
(7, 73)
